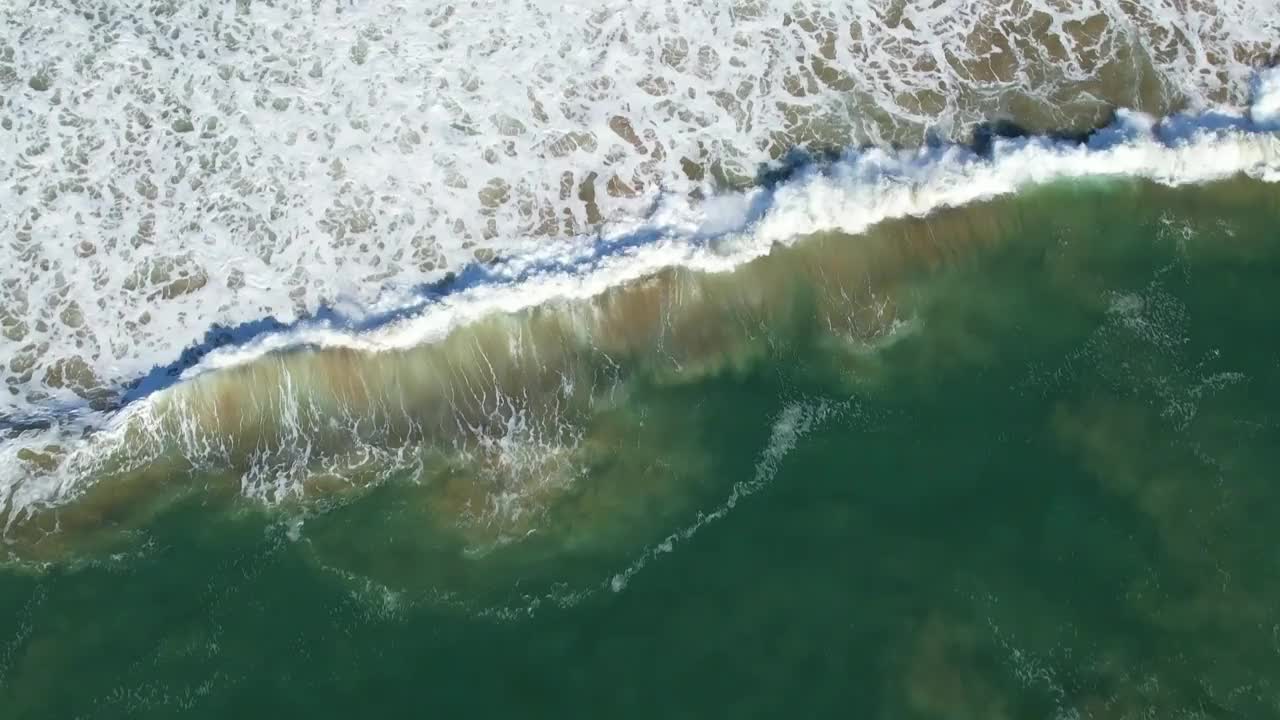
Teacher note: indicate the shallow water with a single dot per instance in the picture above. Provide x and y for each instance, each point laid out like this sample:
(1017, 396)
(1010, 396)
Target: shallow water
(1010, 460)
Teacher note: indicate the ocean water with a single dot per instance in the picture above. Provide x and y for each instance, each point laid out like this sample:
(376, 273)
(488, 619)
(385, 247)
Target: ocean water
(885, 360)
(1009, 460)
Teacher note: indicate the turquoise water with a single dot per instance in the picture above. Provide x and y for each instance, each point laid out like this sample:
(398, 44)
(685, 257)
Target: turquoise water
(1020, 466)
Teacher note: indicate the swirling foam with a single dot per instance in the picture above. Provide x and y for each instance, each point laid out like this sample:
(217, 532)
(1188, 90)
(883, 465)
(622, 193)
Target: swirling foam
(849, 195)
(172, 166)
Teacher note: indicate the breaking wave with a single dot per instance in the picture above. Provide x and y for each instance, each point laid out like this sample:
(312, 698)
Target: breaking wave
(376, 392)
(188, 172)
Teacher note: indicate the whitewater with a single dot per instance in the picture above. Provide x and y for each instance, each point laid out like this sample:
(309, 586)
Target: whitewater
(180, 175)
(193, 189)
(848, 196)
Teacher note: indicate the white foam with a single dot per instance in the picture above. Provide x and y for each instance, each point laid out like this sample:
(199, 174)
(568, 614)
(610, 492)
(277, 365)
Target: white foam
(169, 166)
(849, 195)
(860, 190)
(1265, 110)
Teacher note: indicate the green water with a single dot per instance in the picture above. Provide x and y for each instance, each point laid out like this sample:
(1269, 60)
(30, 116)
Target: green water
(1042, 488)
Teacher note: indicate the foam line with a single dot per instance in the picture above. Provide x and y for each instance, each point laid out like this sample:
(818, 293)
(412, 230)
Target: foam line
(173, 172)
(848, 195)
(862, 188)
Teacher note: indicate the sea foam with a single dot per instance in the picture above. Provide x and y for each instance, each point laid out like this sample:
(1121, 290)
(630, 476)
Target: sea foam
(185, 173)
(849, 195)
(303, 227)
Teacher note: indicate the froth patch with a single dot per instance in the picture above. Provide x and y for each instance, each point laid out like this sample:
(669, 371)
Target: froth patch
(850, 195)
(1265, 109)
(179, 167)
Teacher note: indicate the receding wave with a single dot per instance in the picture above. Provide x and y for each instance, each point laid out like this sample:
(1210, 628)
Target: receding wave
(847, 195)
(554, 419)
(513, 384)
(190, 171)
